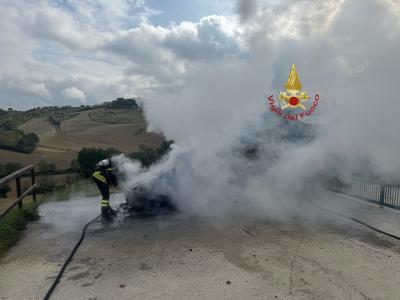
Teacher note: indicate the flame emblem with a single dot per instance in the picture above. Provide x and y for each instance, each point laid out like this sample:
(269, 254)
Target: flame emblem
(293, 96)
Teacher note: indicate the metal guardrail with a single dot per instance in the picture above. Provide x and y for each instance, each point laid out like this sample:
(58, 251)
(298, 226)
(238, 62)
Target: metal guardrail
(20, 195)
(382, 194)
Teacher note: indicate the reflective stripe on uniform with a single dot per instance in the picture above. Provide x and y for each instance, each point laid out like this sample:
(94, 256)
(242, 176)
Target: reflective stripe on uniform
(99, 176)
(105, 203)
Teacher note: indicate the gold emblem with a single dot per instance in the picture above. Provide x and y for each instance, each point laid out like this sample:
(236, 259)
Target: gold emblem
(293, 96)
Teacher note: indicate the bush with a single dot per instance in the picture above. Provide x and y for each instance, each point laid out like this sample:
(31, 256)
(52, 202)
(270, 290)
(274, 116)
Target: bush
(14, 222)
(122, 103)
(7, 125)
(45, 166)
(46, 184)
(9, 168)
(56, 122)
(28, 143)
(5, 170)
(16, 140)
(74, 166)
(147, 156)
(4, 190)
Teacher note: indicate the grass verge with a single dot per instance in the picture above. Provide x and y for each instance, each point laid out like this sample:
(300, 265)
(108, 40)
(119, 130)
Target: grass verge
(83, 188)
(14, 223)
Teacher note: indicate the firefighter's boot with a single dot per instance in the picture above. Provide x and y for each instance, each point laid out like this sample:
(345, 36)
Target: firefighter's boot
(107, 212)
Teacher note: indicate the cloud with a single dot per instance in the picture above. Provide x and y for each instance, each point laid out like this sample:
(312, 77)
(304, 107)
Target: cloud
(74, 94)
(166, 53)
(108, 49)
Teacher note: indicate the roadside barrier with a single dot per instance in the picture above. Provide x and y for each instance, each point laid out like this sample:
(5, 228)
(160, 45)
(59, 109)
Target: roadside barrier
(20, 195)
(382, 194)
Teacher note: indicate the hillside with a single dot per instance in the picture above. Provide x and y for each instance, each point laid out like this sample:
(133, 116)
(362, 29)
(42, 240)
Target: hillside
(64, 131)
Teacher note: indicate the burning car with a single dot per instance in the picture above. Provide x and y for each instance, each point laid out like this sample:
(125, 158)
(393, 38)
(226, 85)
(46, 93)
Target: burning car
(142, 200)
(149, 193)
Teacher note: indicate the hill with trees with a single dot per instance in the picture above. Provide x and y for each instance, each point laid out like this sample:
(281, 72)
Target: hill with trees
(57, 134)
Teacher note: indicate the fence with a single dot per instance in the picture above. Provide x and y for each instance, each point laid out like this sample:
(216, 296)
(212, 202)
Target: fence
(20, 195)
(383, 194)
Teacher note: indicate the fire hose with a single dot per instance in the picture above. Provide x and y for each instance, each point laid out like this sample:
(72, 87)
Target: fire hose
(68, 260)
(71, 255)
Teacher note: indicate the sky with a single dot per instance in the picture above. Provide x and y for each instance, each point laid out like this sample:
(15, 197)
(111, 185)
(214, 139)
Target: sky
(179, 10)
(74, 52)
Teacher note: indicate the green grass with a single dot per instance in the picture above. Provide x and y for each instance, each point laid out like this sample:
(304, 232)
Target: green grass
(81, 187)
(84, 187)
(14, 223)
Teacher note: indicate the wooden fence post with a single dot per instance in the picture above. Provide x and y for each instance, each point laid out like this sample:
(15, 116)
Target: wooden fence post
(18, 181)
(20, 195)
(33, 182)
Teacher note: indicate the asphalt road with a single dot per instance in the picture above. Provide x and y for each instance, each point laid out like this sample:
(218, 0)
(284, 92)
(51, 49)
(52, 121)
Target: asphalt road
(173, 256)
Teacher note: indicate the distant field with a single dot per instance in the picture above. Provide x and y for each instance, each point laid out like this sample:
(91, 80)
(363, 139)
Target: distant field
(40, 126)
(99, 128)
(62, 159)
(124, 129)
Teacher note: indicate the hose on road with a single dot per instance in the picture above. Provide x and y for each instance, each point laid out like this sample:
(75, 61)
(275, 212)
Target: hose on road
(71, 255)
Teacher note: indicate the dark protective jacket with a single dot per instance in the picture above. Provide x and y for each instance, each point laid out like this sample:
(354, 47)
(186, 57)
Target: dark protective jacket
(104, 172)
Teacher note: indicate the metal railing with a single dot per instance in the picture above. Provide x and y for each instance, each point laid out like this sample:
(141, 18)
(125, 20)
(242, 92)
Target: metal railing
(382, 194)
(20, 195)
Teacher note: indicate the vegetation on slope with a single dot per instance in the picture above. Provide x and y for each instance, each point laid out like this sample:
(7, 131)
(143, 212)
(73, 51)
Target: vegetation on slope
(17, 140)
(15, 222)
(5, 170)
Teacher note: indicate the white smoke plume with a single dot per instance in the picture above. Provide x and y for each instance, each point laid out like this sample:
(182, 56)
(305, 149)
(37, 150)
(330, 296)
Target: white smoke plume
(345, 50)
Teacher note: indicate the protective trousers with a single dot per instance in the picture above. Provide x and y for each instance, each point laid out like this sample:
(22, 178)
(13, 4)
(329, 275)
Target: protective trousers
(102, 184)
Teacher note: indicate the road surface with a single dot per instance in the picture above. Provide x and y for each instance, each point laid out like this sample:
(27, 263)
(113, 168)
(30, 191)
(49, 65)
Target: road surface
(173, 256)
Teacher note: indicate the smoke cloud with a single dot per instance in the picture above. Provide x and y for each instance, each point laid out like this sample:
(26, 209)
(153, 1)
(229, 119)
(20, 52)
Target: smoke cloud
(232, 156)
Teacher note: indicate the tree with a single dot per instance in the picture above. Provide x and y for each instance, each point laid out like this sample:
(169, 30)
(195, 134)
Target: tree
(5, 170)
(123, 103)
(45, 166)
(46, 184)
(89, 157)
(4, 190)
(28, 143)
(75, 166)
(11, 167)
(147, 156)
(7, 125)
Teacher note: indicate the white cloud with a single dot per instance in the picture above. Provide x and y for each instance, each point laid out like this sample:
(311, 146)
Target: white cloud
(74, 93)
(110, 48)
(165, 54)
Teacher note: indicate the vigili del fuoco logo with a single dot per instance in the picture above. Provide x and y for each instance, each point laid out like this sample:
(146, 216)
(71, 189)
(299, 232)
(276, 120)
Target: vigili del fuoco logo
(294, 103)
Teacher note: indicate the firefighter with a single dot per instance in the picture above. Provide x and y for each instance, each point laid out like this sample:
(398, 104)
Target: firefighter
(103, 176)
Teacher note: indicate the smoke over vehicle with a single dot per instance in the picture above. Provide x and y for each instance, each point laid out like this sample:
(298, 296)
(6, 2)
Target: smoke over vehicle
(233, 157)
